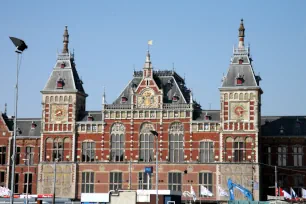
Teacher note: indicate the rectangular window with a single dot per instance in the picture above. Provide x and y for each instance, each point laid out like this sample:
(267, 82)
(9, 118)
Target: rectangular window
(282, 156)
(267, 155)
(206, 152)
(26, 183)
(115, 180)
(2, 155)
(298, 156)
(16, 183)
(175, 181)
(87, 182)
(88, 151)
(206, 180)
(2, 178)
(94, 128)
(17, 155)
(30, 154)
(299, 181)
(238, 151)
(144, 181)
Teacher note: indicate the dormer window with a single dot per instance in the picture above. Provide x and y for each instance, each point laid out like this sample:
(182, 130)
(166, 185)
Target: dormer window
(282, 130)
(207, 117)
(60, 83)
(33, 125)
(124, 99)
(240, 61)
(63, 65)
(239, 79)
(19, 132)
(89, 118)
(175, 98)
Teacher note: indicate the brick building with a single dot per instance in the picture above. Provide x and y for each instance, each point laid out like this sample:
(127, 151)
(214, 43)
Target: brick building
(108, 149)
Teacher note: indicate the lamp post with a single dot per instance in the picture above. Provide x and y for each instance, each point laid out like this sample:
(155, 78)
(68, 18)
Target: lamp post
(20, 47)
(28, 175)
(156, 184)
(54, 182)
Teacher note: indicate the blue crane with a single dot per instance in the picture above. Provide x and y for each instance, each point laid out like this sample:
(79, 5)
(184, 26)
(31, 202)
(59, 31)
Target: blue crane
(243, 190)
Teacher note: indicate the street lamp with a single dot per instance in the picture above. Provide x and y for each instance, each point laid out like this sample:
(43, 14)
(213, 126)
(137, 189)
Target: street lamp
(54, 183)
(20, 47)
(28, 175)
(156, 184)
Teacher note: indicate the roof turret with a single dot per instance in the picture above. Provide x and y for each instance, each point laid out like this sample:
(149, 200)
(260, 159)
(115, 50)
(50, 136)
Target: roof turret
(65, 40)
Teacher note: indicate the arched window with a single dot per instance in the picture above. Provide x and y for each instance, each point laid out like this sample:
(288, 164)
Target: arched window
(176, 142)
(117, 142)
(58, 149)
(146, 143)
(239, 149)
(88, 151)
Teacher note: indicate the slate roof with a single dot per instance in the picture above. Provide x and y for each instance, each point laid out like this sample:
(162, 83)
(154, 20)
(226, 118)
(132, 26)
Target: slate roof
(97, 116)
(245, 70)
(69, 74)
(283, 126)
(171, 83)
(24, 126)
(200, 115)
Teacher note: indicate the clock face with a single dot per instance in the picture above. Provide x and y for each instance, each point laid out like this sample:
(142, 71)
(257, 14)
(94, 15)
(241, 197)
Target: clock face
(147, 100)
(239, 111)
(58, 113)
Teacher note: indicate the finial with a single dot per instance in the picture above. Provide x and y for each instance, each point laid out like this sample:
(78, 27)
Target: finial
(241, 35)
(65, 40)
(241, 29)
(5, 108)
(148, 56)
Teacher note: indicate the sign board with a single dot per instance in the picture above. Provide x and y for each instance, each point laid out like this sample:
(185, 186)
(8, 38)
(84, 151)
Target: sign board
(44, 195)
(149, 169)
(94, 197)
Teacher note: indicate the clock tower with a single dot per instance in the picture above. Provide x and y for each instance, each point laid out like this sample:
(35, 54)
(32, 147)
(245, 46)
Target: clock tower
(240, 119)
(63, 102)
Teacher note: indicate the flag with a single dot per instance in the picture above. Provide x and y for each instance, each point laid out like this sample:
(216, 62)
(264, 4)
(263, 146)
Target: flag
(150, 42)
(205, 191)
(4, 191)
(222, 192)
(293, 193)
(279, 192)
(286, 195)
(303, 193)
(194, 196)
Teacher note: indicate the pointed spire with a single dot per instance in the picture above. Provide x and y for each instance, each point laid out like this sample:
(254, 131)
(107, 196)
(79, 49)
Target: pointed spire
(5, 108)
(241, 35)
(65, 40)
(148, 61)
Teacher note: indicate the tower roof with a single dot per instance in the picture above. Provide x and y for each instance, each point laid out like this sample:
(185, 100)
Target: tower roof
(240, 73)
(64, 77)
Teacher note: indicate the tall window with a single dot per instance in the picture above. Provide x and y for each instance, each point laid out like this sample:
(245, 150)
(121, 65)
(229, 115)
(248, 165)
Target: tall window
(238, 151)
(115, 180)
(88, 151)
(298, 181)
(267, 155)
(146, 143)
(30, 154)
(144, 181)
(26, 177)
(282, 155)
(87, 182)
(16, 183)
(117, 142)
(205, 179)
(175, 181)
(2, 178)
(17, 155)
(206, 152)
(176, 133)
(2, 155)
(58, 149)
(298, 155)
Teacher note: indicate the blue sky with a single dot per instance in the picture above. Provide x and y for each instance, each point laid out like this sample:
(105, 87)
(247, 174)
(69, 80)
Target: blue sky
(110, 39)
